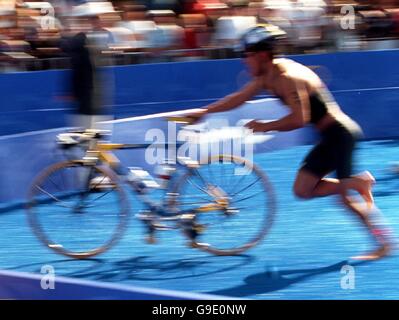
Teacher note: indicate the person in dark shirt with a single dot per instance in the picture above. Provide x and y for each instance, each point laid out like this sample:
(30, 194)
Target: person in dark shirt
(89, 85)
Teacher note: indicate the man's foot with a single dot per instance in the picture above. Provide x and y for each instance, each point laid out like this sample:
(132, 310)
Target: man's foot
(367, 182)
(383, 251)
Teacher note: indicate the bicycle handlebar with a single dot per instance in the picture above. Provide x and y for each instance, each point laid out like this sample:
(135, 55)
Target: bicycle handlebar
(180, 119)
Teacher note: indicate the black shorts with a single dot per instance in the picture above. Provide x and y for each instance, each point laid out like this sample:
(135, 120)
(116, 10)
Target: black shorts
(333, 153)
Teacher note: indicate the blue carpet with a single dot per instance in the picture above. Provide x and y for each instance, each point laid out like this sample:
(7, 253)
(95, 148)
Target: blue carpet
(301, 258)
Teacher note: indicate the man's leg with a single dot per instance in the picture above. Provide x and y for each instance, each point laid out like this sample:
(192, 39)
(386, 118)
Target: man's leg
(371, 219)
(308, 186)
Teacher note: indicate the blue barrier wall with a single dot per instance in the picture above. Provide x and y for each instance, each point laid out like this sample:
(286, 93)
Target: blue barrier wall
(364, 83)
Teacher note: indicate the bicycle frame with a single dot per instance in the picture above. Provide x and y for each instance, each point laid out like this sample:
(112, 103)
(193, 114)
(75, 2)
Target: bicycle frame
(103, 152)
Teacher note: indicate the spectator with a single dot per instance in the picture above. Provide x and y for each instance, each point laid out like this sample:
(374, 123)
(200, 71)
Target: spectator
(90, 85)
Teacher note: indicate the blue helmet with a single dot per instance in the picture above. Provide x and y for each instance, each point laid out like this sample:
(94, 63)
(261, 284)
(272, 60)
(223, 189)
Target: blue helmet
(260, 38)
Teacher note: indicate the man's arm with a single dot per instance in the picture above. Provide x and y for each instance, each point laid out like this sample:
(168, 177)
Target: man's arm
(236, 99)
(231, 101)
(297, 99)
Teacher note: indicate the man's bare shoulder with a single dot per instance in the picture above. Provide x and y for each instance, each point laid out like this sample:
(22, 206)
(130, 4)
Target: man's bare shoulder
(292, 72)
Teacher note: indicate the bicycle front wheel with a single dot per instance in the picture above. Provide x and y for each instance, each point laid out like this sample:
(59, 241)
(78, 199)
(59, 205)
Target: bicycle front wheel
(234, 204)
(77, 210)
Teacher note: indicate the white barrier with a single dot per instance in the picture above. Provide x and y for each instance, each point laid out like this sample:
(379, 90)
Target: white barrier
(22, 156)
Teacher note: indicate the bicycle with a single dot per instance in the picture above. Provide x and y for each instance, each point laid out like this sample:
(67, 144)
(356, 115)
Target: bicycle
(204, 200)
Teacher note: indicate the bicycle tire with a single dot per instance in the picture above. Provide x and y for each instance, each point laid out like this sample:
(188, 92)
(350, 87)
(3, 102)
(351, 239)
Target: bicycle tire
(34, 202)
(268, 217)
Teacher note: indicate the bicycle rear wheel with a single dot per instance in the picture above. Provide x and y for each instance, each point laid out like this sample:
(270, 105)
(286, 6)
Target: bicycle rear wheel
(247, 213)
(77, 210)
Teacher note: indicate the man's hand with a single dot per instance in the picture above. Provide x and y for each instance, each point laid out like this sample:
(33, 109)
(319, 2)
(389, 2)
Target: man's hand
(196, 116)
(256, 126)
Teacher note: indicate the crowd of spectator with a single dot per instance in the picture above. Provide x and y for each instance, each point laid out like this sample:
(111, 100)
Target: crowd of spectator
(134, 31)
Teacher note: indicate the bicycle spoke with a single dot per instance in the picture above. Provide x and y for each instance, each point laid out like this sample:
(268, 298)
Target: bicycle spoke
(224, 185)
(199, 188)
(55, 185)
(248, 197)
(192, 197)
(246, 188)
(99, 197)
(233, 168)
(199, 175)
(240, 181)
(54, 198)
(199, 204)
